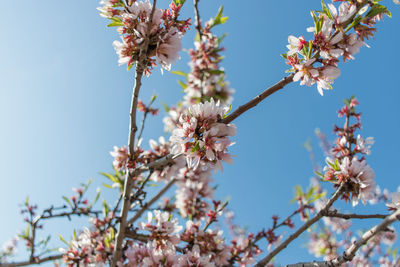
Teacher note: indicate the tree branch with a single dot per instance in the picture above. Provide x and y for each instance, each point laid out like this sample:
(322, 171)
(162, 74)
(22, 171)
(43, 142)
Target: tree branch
(350, 253)
(305, 226)
(140, 67)
(334, 214)
(254, 102)
(32, 262)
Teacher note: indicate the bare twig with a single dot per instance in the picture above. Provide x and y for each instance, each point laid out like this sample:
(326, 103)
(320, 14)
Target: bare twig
(254, 102)
(151, 202)
(144, 120)
(350, 253)
(32, 262)
(334, 214)
(303, 228)
(155, 165)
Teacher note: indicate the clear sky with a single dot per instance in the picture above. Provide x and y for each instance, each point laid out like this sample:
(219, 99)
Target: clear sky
(64, 103)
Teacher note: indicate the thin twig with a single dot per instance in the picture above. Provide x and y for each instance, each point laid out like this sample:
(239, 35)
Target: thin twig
(35, 261)
(151, 202)
(254, 102)
(303, 228)
(349, 254)
(145, 238)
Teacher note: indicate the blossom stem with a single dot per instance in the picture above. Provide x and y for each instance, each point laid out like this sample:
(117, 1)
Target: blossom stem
(303, 228)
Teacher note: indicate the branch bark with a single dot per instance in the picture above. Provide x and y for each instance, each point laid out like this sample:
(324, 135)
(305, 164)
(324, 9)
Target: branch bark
(255, 101)
(350, 253)
(32, 262)
(334, 214)
(303, 228)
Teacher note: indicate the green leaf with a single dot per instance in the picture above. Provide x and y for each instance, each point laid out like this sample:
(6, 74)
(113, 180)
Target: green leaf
(166, 107)
(310, 193)
(378, 9)
(63, 240)
(129, 67)
(326, 10)
(68, 201)
(196, 147)
(314, 18)
(178, 72)
(153, 98)
(298, 191)
(182, 84)
(115, 24)
(179, 2)
(216, 72)
(27, 231)
(355, 22)
(229, 110)
(221, 38)
(108, 186)
(219, 19)
(110, 177)
(319, 174)
(106, 209)
(317, 196)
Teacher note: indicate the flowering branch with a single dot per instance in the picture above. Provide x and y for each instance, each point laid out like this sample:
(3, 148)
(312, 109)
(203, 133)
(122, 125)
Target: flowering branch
(350, 253)
(305, 226)
(140, 68)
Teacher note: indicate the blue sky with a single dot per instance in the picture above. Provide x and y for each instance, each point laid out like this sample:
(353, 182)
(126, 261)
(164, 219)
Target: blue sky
(64, 103)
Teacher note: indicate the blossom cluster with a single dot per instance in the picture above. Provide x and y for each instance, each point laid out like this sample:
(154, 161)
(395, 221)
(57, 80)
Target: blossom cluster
(316, 61)
(196, 245)
(91, 246)
(8, 249)
(206, 78)
(346, 166)
(161, 41)
(200, 135)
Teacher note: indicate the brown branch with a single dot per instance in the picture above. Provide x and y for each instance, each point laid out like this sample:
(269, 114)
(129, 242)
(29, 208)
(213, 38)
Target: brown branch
(350, 253)
(155, 165)
(151, 202)
(197, 18)
(243, 108)
(141, 64)
(334, 214)
(32, 262)
(303, 228)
